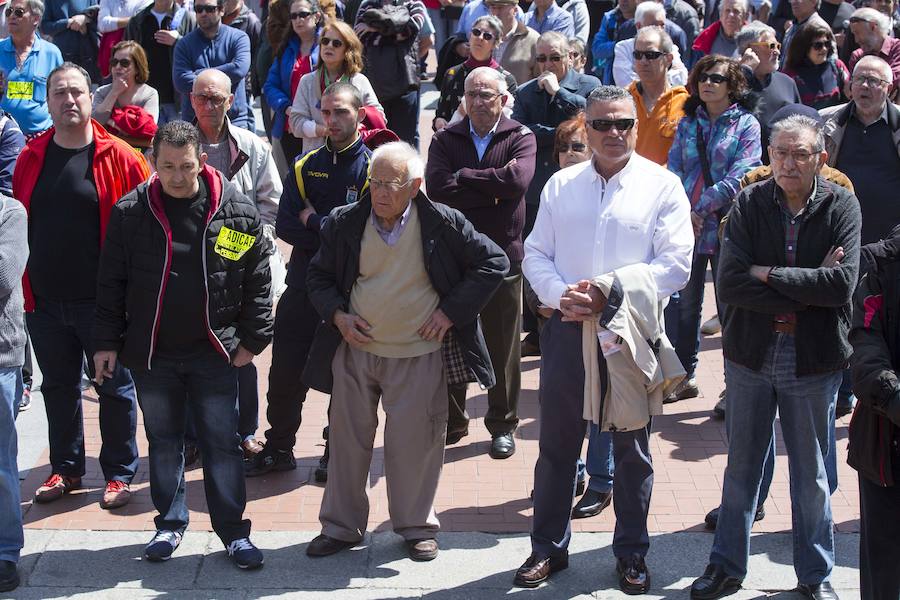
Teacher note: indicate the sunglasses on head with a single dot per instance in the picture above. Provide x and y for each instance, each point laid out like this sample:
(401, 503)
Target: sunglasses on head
(605, 125)
(574, 147)
(210, 9)
(120, 62)
(481, 33)
(542, 58)
(712, 78)
(19, 12)
(334, 42)
(301, 14)
(648, 54)
(820, 45)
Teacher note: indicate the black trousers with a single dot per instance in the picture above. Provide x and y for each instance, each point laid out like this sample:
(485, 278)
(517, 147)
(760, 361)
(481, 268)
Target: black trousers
(501, 324)
(879, 532)
(295, 326)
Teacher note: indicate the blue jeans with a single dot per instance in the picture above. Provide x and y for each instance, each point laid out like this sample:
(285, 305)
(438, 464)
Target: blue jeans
(248, 406)
(61, 335)
(11, 535)
(207, 387)
(804, 404)
(689, 307)
(599, 463)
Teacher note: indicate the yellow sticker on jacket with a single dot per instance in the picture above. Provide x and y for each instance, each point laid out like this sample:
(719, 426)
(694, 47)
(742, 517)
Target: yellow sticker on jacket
(233, 244)
(20, 90)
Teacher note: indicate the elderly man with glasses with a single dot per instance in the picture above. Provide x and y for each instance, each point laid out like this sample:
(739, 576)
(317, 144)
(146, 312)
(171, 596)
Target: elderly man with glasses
(872, 31)
(787, 316)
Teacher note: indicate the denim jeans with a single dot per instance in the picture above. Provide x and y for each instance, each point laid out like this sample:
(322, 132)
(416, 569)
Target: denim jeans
(690, 305)
(803, 404)
(61, 335)
(207, 388)
(599, 463)
(11, 534)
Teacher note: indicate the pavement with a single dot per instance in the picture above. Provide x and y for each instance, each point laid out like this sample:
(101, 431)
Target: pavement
(75, 549)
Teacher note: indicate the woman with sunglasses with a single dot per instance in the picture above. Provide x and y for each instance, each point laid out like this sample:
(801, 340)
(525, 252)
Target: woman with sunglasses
(128, 107)
(340, 59)
(483, 39)
(296, 55)
(811, 62)
(112, 21)
(716, 143)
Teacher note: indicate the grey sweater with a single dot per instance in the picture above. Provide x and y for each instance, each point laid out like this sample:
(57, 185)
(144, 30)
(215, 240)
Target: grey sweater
(13, 257)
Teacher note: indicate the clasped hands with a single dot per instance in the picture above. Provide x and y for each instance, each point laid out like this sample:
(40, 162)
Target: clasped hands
(354, 329)
(582, 301)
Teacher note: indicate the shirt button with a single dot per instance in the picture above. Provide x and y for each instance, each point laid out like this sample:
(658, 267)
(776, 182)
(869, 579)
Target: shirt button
(790, 247)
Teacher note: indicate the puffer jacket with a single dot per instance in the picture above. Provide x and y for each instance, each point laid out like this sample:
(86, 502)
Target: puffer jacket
(136, 261)
(733, 148)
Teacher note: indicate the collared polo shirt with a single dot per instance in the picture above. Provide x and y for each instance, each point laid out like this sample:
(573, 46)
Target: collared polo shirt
(555, 19)
(25, 94)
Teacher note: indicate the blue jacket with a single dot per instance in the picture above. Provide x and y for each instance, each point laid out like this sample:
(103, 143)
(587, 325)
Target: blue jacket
(543, 115)
(55, 22)
(277, 87)
(323, 180)
(228, 52)
(604, 44)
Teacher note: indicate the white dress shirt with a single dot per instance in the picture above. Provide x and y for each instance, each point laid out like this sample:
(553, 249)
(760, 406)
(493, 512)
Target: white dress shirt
(587, 226)
(623, 65)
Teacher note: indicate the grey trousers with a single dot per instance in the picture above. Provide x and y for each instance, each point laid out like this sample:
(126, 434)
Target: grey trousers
(562, 435)
(413, 393)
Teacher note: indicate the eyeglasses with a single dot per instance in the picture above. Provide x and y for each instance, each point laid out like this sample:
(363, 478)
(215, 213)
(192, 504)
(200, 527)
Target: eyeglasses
(480, 33)
(481, 96)
(772, 46)
(713, 78)
(872, 82)
(800, 157)
(216, 101)
(574, 147)
(334, 42)
(541, 58)
(19, 12)
(605, 125)
(120, 62)
(821, 45)
(859, 20)
(648, 54)
(303, 14)
(392, 186)
(209, 9)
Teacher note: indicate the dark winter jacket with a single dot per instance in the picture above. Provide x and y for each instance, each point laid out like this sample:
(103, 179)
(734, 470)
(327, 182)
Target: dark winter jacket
(464, 267)
(135, 264)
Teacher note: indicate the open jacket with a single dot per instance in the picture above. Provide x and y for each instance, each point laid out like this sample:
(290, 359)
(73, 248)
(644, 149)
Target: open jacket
(465, 268)
(836, 125)
(253, 171)
(135, 266)
(277, 86)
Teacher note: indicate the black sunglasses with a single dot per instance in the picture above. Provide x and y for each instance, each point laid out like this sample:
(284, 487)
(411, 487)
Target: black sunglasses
(205, 9)
(335, 43)
(575, 147)
(19, 12)
(485, 35)
(542, 59)
(123, 62)
(300, 15)
(821, 45)
(859, 20)
(648, 54)
(712, 78)
(605, 125)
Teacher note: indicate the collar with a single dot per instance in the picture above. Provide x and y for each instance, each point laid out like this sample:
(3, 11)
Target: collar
(551, 11)
(887, 45)
(781, 201)
(354, 144)
(882, 117)
(400, 222)
(488, 135)
(623, 172)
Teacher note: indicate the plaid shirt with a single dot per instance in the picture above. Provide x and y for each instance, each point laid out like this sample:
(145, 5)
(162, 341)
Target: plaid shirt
(791, 224)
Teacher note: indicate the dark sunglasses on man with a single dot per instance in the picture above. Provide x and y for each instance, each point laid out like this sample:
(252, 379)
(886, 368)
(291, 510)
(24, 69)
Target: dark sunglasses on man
(541, 58)
(605, 125)
(209, 9)
(648, 54)
(18, 12)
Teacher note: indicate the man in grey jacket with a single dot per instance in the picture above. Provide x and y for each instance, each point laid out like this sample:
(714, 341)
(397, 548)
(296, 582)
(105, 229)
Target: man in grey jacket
(13, 257)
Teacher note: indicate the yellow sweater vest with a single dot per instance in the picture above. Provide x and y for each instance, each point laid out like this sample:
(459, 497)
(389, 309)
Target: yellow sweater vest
(393, 292)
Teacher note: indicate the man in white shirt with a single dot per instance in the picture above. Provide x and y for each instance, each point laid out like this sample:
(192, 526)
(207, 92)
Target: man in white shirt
(617, 209)
(647, 14)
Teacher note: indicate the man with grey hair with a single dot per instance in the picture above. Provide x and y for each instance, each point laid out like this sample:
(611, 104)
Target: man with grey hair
(629, 28)
(787, 315)
(648, 15)
(482, 166)
(719, 37)
(398, 281)
(616, 211)
(872, 32)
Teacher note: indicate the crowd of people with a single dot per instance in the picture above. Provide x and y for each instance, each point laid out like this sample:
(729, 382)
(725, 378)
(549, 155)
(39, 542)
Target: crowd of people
(589, 164)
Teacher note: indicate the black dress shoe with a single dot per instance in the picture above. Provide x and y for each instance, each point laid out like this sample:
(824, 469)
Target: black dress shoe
(536, 570)
(819, 591)
(714, 583)
(453, 437)
(591, 504)
(712, 517)
(503, 446)
(9, 576)
(323, 545)
(634, 578)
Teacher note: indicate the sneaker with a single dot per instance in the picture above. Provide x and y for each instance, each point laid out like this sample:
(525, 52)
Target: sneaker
(686, 389)
(711, 327)
(25, 400)
(268, 460)
(55, 487)
(162, 545)
(719, 409)
(117, 493)
(244, 554)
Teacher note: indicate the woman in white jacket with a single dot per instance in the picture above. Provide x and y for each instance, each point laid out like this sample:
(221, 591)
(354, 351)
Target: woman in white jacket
(340, 59)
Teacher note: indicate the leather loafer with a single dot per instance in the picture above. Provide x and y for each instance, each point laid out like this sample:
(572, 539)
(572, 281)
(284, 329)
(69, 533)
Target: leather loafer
(537, 570)
(591, 504)
(422, 550)
(453, 437)
(323, 545)
(712, 517)
(503, 446)
(819, 591)
(714, 583)
(634, 578)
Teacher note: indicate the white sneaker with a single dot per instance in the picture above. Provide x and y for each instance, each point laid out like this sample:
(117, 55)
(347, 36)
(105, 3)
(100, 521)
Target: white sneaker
(711, 327)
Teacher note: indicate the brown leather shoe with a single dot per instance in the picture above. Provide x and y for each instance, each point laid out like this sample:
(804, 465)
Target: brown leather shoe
(117, 493)
(55, 486)
(323, 545)
(422, 550)
(536, 570)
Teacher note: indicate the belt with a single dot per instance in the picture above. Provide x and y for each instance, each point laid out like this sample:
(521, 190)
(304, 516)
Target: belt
(782, 327)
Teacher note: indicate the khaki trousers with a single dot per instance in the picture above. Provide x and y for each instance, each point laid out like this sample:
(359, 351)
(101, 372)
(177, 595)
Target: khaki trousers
(413, 393)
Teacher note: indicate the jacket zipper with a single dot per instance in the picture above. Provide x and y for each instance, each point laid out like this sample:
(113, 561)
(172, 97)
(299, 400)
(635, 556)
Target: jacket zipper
(206, 283)
(162, 282)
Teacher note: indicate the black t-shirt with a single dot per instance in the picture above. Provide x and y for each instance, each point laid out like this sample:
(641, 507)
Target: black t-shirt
(64, 226)
(159, 58)
(182, 328)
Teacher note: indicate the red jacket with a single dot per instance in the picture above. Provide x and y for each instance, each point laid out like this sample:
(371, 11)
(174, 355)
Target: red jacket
(117, 167)
(704, 42)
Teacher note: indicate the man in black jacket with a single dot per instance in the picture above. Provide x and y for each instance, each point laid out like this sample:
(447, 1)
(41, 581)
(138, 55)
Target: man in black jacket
(875, 434)
(788, 267)
(185, 334)
(402, 281)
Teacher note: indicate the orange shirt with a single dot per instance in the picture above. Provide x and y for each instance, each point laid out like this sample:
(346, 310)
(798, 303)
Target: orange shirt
(656, 129)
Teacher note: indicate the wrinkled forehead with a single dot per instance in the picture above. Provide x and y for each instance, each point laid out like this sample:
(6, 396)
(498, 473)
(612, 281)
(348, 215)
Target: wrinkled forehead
(388, 168)
(550, 48)
(794, 139)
